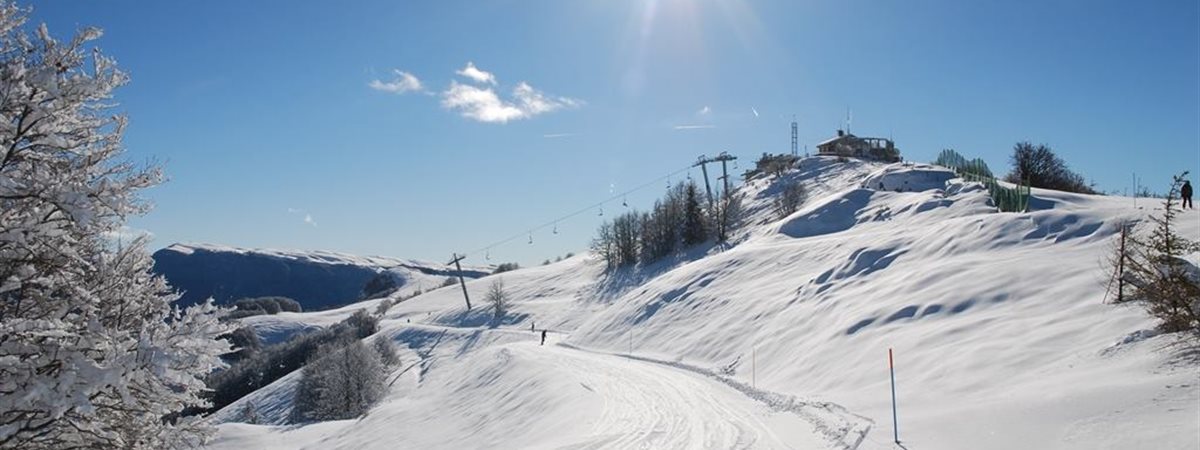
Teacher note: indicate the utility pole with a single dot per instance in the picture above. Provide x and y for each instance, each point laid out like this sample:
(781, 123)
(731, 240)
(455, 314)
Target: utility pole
(454, 259)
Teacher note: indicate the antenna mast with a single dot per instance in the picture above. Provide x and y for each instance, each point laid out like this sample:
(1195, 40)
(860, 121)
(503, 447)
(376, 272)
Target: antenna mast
(795, 135)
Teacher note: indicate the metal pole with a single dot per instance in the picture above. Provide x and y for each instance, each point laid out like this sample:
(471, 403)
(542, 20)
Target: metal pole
(725, 176)
(704, 168)
(895, 422)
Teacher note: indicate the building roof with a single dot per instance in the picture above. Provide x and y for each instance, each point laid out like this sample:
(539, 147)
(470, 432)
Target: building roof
(835, 139)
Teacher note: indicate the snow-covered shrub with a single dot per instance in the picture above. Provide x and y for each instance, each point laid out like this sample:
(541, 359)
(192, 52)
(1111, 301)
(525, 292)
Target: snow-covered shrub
(506, 267)
(257, 306)
(341, 384)
(386, 350)
(383, 307)
(245, 342)
(272, 363)
(249, 414)
(382, 284)
(362, 323)
(790, 197)
(92, 353)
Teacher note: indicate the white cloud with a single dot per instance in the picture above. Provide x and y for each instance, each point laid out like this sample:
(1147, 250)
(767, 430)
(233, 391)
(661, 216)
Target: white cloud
(693, 127)
(403, 82)
(557, 135)
(308, 218)
(474, 73)
(704, 111)
(479, 104)
(484, 105)
(755, 111)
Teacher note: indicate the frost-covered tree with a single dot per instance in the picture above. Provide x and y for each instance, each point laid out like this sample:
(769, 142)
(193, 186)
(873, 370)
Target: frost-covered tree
(342, 384)
(92, 354)
(386, 350)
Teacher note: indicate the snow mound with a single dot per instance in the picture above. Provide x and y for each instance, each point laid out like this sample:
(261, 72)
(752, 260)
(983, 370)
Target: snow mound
(909, 178)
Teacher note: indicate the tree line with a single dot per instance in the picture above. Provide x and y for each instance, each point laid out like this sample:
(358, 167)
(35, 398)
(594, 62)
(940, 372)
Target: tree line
(677, 221)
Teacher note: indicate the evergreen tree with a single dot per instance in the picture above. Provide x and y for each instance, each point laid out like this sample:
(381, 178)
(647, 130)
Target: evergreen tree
(1158, 274)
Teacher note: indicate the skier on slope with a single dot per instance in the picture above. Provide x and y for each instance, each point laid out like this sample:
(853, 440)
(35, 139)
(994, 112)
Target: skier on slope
(543, 337)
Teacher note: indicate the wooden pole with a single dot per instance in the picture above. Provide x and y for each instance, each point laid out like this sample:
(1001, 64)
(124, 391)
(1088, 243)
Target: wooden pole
(461, 282)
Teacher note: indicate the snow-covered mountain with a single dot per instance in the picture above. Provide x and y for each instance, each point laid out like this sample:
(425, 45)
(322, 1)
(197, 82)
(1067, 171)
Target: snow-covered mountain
(316, 279)
(1001, 336)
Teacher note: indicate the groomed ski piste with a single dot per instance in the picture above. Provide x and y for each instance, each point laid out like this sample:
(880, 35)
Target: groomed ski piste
(998, 321)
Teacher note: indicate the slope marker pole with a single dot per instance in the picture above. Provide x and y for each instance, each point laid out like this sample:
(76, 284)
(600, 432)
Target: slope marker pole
(895, 422)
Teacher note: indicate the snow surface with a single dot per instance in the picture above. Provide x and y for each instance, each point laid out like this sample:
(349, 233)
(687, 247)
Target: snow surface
(1001, 336)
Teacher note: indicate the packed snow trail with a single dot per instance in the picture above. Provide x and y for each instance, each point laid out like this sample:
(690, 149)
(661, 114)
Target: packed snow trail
(524, 395)
(650, 406)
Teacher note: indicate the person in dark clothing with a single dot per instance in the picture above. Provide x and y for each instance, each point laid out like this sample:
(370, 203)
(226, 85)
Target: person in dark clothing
(543, 337)
(1186, 193)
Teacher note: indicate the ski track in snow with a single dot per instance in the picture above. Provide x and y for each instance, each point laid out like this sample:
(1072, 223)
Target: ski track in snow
(842, 428)
(650, 406)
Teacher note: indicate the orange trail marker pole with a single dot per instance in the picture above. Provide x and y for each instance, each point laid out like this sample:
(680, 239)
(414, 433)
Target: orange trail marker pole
(895, 423)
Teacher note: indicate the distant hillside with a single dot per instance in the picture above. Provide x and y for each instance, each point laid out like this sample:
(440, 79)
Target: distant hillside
(316, 279)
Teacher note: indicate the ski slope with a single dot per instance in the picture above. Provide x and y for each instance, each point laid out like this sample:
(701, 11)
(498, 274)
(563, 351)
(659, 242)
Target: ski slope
(562, 398)
(780, 340)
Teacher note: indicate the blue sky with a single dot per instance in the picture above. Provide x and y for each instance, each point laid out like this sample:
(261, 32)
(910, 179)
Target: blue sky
(288, 124)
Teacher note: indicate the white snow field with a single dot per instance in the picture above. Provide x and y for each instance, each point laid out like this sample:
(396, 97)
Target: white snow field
(998, 322)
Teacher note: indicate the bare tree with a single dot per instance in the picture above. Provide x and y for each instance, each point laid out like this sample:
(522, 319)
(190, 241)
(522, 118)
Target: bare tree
(1039, 166)
(790, 197)
(498, 299)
